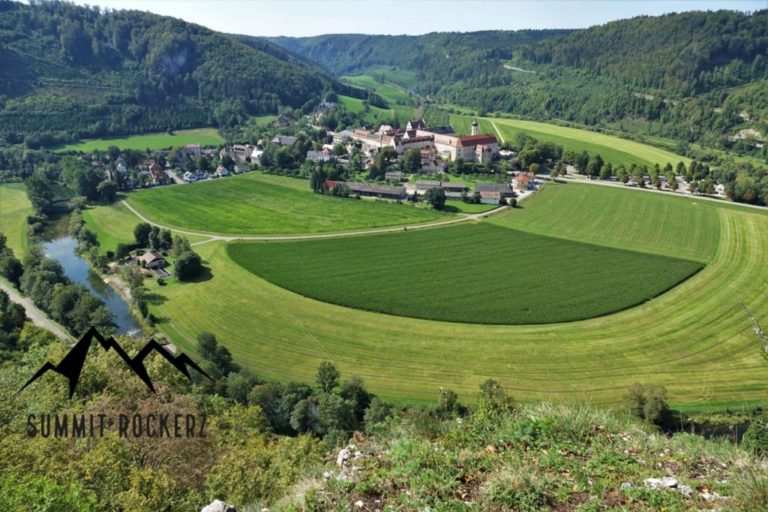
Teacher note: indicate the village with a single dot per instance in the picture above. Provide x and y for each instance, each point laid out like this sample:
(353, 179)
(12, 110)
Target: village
(434, 154)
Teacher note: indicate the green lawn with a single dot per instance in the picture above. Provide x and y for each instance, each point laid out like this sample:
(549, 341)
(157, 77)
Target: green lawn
(202, 136)
(390, 92)
(507, 276)
(461, 207)
(613, 149)
(259, 204)
(695, 339)
(623, 218)
(14, 209)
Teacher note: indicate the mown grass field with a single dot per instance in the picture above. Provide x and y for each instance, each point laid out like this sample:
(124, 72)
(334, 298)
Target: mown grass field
(390, 92)
(695, 339)
(14, 210)
(613, 149)
(202, 136)
(506, 276)
(623, 218)
(258, 204)
(402, 113)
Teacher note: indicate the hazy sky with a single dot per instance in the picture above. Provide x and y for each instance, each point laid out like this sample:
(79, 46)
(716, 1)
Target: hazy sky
(313, 17)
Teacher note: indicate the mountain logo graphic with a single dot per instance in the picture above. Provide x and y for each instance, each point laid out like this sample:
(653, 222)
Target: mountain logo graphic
(72, 364)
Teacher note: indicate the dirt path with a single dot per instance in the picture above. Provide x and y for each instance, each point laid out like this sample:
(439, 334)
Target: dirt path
(35, 314)
(465, 217)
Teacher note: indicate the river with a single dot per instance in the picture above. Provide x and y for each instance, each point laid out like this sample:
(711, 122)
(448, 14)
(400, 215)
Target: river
(63, 248)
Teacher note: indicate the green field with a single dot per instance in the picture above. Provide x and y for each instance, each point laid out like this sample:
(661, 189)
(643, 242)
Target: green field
(202, 136)
(375, 115)
(623, 218)
(259, 204)
(486, 274)
(390, 92)
(613, 149)
(695, 339)
(14, 209)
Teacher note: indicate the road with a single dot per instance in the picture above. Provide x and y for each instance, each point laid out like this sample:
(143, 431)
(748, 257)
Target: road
(37, 316)
(464, 217)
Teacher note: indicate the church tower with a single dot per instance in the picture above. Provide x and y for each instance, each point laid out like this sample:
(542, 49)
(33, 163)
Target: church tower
(474, 127)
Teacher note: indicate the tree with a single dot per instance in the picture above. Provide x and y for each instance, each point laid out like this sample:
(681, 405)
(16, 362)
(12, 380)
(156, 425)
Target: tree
(354, 391)
(40, 193)
(206, 345)
(166, 239)
(647, 401)
(180, 245)
(327, 376)
(141, 234)
(436, 197)
(107, 191)
(188, 266)
(412, 160)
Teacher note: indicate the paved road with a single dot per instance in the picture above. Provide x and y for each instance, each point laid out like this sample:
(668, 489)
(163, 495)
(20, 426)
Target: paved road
(37, 316)
(580, 179)
(338, 234)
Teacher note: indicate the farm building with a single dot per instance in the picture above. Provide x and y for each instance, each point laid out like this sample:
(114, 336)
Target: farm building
(393, 176)
(382, 191)
(491, 193)
(151, 260)
(283, 140)
(522, 182)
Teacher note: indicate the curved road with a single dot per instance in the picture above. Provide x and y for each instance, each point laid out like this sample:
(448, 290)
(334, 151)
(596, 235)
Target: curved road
(35, 314)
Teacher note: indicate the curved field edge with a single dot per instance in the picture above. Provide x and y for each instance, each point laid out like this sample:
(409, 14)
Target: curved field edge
(622, 218)
(14, 210)
(694, 339)
(255, 204)
(477, 273)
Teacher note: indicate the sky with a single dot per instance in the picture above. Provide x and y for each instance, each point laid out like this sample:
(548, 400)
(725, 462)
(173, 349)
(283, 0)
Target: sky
(314, 17)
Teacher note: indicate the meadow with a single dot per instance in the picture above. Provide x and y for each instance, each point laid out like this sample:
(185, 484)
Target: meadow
(694, 339)
(484, 274)
(260, 204)
(14, 209)
(376, 115)
(623, 218)
(390, 92)
(612, 149)
(202, 136)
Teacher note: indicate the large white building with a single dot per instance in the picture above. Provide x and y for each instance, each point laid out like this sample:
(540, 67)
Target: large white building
(471, 148)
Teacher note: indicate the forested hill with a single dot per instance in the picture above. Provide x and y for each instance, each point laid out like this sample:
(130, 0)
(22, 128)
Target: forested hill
(433, 58)
(679, 54)
(695, 77)
(70, 71)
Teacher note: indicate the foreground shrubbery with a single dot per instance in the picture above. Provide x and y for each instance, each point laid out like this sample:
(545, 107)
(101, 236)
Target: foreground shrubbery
(493, 455)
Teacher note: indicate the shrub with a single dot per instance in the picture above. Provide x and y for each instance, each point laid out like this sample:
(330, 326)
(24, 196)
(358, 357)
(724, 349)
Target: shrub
(755, 439)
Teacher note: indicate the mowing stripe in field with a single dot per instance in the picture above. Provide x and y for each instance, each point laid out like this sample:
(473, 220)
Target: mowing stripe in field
(469, 273)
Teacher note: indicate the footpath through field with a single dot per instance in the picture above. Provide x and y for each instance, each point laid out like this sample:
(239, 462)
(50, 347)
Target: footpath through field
(464, 217)
(37, 316)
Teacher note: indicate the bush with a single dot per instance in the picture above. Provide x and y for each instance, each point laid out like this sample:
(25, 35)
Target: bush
(755, 439)
(648, 401)
(188, 266)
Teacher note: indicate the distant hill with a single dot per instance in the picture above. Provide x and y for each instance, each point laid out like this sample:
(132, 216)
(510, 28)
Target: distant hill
(71, 71)
(433, 58)
(694, 77)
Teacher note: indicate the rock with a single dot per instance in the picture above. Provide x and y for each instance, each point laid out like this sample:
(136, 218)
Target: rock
(359, 503)
(327, 475)
(342, 457)
(626, 486)
(667, 482)
(219, 506)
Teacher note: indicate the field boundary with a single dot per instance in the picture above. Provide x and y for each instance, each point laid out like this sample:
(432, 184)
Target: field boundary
(462, 217)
